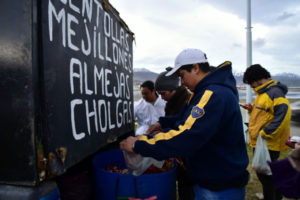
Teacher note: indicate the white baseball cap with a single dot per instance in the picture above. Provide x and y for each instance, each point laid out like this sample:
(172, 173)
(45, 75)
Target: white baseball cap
(188, 57)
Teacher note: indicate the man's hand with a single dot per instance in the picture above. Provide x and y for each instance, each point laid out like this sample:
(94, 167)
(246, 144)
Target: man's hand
(127, 144)
(247, 106)
(154, 127)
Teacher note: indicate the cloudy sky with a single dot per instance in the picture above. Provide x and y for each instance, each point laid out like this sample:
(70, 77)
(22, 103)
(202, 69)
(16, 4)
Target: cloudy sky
(164, 27)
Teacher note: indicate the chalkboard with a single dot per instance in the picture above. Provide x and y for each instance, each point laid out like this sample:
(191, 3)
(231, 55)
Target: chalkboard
(86, 77)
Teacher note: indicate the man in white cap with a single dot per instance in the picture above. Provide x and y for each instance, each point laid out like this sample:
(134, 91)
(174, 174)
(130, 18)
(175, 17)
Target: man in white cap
(207, 134)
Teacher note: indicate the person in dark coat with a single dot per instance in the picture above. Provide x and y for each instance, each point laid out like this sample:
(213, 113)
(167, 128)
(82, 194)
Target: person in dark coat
(286, 174)
(172, 92)
(176, 97)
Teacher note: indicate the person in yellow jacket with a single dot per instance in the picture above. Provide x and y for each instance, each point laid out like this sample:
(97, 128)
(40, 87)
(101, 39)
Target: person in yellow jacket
(269, 116)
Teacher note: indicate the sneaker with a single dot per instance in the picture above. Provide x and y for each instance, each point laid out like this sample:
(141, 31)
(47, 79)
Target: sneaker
(259, 195)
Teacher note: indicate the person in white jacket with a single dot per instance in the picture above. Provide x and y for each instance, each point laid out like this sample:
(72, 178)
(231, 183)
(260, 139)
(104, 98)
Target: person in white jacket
(149, 108)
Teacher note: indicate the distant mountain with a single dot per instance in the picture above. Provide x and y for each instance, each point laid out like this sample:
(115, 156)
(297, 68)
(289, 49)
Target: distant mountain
(141, 74)
(141, 70)
(288, 75)
(291, 80)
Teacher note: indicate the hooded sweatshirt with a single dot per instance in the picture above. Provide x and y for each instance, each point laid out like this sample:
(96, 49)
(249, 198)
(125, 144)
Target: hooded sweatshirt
(270, 116)
(207, 133)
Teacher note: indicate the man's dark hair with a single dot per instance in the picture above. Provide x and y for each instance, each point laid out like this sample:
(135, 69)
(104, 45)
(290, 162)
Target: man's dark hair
(203, 66)
(148, 84)
(255, 73)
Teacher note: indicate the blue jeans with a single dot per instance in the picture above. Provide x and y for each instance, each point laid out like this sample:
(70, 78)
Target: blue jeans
(229, 194)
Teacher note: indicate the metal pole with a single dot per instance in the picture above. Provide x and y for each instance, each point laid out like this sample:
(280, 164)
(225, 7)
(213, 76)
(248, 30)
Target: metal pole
(249, 52)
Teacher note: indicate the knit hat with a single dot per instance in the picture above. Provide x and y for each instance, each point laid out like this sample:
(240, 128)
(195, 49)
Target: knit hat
(188, 57)
(168, 83)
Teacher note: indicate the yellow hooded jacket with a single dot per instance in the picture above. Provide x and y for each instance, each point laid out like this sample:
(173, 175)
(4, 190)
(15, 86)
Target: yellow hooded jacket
(270, 116)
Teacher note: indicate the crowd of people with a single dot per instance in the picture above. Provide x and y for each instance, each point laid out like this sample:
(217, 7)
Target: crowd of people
(192, 113)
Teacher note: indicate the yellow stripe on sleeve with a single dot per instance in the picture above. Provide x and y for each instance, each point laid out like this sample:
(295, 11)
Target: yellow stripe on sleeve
(187, 125)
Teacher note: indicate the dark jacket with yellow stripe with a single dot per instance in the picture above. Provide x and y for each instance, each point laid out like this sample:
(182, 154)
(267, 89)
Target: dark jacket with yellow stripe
(208, 134)
(270, 116)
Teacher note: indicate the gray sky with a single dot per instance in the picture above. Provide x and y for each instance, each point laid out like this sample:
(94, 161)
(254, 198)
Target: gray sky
(164, 27)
